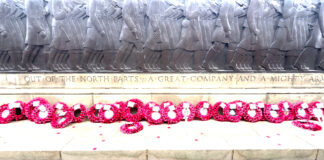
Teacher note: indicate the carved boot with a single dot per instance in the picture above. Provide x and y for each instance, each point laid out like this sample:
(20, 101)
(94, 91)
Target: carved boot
(291, 59)
(259, 58)
(307, 59)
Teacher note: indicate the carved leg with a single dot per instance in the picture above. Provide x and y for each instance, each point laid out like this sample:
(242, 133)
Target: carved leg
(108, 59)
(51, 58)
(165, 59)
(259, 57)
(147, 55)
(124, 50)
(188, 60)
(5, 61)
(155, 60)
(174, 62)
(274, 59)
(2, 55)
(26, 56)
(15, 59)
(307, 59)
(291, 59)
(208, 63)
(66, 60)
(74, 59)
(85, 58)
(236, 62)
(320, 62)
(247, 60)
(199, 57)
(34, 55)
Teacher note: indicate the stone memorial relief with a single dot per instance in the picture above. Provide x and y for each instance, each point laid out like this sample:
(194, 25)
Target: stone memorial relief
(161, 36)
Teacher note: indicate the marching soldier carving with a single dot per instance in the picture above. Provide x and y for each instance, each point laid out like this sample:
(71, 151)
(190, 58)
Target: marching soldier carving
(38, 32)
(163, 33)
(132, 35)
(12, 34)
(76, 31)
(60, 34)
(308, 59)
(195, 40)
(226, 36)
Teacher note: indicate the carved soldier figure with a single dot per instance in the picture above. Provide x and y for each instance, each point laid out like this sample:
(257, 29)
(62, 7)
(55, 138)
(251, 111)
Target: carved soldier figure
(97, 37)
(38, 31)
(132, 34)
(307, 60)
(226, 36)
(76, 31)
(163, 32)
(60, 33)
(195, 35)
(12, 37)
(113, 30)
(258, 34)
(291, 36)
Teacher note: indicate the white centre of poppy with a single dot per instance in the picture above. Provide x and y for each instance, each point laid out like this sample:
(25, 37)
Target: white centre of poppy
(203, 111)
(5, 113)
(43, 115)
(109, 114)
(156, 115)
(252, 113)
(172, 115)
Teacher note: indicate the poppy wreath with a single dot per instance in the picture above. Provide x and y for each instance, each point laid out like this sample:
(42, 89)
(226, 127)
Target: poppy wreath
(218, 111)
(274, 113)
(252, 112)
(154, 113)
(109, 113)
(204, 110)
(172, 114)
(42, 113)
(307, 125)
(148, 106)
(29, 107)
(133, 104)
(303, 111)
(6, 114)
(120, 105)
(131, 127)
(289, 110)
(93, 113)
(233, 112)
(188, 111)
(317, 110)
(62, 119)
(79, 112)
(19, 110)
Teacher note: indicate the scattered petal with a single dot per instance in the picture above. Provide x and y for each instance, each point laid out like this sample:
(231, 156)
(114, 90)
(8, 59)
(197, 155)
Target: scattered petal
(73, 127)
(103, 140)
(158, 137)
(268, 136)
(94, 149)
(278, 134)
(100, 134)
(169, 127)
(279, 144)
(196, 140)
(58, 133)
(312, 134)
(100, 126)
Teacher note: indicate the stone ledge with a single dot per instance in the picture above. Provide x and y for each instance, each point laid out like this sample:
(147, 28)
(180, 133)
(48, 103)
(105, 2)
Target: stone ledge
(210, 140)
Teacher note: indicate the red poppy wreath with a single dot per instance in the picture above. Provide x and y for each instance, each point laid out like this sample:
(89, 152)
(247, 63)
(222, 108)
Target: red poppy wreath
(172, 114)
(252, 112)
(307, 125)
(289, 110)
(218, 111)
(29, 107)
(6, 114)
(303, 111)
(188, 111)
(317, 111)
(153, 113)
(274, 113)
(43, 113)
(79, 112)
(133, 110)
(93, 112)
(109, 113)
(131, 127)
(234, 112)
(19, 109)
(204, 110)
(62, 116)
